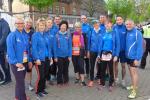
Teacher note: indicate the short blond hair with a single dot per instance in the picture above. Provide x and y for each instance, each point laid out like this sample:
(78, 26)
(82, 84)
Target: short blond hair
(40, 20)
(77, 24)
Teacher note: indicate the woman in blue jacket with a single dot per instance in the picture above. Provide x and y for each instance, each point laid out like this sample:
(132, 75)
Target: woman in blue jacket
(93, 43)
(17, 50)
(63, 53)
(41, 52)
(134, 52)
(109, 47)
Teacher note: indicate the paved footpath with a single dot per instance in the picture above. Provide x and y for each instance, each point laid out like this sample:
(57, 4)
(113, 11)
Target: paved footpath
(77, 92)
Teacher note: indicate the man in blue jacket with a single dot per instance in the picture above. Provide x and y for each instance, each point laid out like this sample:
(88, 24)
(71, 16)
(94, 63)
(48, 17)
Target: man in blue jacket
(4, 31)
(86, 30)
(17, 50)
(120, 28)
(134, 52)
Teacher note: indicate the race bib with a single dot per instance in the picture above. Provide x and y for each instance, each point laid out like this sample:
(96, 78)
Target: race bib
(25, 56)
(106, 57)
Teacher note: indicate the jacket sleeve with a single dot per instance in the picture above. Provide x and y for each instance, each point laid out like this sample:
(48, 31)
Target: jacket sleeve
(34, 47)
(100, 42)
(70, 46)
(5, 32)
(117, 44)
(50, 47)
(55, 46)
(11, 42)
(139, 51)
(89, 40)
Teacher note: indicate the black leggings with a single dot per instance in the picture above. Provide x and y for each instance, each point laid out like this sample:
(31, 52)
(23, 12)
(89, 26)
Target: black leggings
(63, 73)
(93, 56)
(78, 63)
(104, 65)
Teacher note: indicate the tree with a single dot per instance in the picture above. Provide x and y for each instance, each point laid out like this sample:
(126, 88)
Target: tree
(138, 11)
(39, 4)
(93, 6)
(120, 7)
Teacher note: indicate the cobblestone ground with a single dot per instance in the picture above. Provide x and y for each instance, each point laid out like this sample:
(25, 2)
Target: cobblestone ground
(77, 92)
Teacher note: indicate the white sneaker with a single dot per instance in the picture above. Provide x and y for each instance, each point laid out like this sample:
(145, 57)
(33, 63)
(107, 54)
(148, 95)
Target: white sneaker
(117, 81)
(123, 83)
(30, 88)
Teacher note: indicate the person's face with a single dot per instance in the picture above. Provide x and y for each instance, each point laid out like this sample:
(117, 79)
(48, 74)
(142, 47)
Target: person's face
(28, 25)
(96, 25)
(84, 19)
(119, 21)
(41, 27)
(78, 29)
(57, 20)
(49, 24)
(108, 25)
(19, 24)
(63, 28)
(102, 19)
(129, 25)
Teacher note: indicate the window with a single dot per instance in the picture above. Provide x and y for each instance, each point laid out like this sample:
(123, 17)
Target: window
(57, 10)
(50, 9)
(63, 10)
(74, 12)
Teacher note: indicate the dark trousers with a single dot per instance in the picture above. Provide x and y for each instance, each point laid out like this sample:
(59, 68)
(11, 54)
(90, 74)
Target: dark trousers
(63, 74)
(104, 65)
(20, 83)
(47, 69)
(53, 69)
(78, 63)
(40, 83)
(143, 61)
(5, 67)
(87, 65)
(93, 57)
(99, 70)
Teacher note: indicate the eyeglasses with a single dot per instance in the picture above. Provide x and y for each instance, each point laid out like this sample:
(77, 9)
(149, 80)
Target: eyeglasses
(19, 23)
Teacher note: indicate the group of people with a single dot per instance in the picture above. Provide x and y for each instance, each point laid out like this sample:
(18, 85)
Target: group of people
(50, 47)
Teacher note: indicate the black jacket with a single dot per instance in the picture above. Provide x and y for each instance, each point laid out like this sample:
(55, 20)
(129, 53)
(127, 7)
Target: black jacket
(4, 31)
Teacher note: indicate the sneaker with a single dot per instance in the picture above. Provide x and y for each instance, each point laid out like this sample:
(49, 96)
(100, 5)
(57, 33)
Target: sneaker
(83, 84)
(76, 81)
(30, 88)
(110, 88)
(1, 82)
(39, 95)
(117, 81)
(123, 83)
(45, 93)
(132, 95)
(90, 84)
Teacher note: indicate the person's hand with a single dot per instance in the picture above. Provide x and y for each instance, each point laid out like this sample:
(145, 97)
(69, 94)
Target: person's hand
(115, 59)
(69, 58)
(98, 58)
(19, 65)
(136, 62)
(88, 54)
(38, 62)
(51, 61)
(55, 59)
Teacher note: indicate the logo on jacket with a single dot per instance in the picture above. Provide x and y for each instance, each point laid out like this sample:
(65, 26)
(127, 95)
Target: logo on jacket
(18, 40)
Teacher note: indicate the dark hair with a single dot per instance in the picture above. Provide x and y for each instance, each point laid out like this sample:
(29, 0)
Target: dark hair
(64, 22)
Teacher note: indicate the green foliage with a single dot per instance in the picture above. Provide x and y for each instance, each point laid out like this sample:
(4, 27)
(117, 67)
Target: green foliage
(139, 12)
(39, 4)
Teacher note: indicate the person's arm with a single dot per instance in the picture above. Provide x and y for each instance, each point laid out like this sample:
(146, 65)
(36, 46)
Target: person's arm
(34, 47)
(11, 43)
(70, 46)
(55, 46)
(50, 47)
(117, 44)
(5, 32)
(139, 51)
